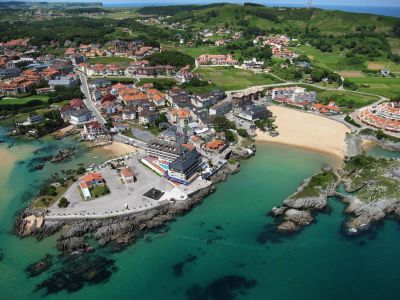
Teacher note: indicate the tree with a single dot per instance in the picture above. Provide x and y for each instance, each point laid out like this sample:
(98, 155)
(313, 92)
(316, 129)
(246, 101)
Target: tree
(243, 132)
(63, 203)
(109, 124)
(317, 75)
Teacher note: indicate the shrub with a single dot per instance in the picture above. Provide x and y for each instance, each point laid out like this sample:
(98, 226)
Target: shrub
(63, 202)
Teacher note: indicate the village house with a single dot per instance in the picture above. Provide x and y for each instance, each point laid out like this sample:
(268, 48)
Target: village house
(80, 117)
(147, 116)
(74, 104)
(179, 116)
(178, 98)
(88, 181)
(330, 109)
(221, 109)
(217, 59)
(127, 175)
(92, 130)
(215, 146)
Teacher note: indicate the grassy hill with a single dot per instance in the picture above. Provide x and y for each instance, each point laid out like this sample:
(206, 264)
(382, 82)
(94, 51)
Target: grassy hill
(294, 19)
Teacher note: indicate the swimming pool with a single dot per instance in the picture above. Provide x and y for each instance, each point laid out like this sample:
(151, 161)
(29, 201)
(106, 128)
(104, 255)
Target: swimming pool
(164, 166)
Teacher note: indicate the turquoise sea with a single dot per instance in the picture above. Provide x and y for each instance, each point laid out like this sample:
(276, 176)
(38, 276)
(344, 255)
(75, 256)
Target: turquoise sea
(224, 248)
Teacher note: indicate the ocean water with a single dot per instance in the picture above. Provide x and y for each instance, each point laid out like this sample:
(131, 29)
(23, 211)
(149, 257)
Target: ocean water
(224, 248)
(378, 10)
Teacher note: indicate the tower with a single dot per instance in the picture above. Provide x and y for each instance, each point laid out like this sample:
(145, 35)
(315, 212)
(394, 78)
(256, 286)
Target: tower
(309, 3)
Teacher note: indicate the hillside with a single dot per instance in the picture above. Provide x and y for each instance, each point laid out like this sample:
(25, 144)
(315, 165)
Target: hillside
(270, 18)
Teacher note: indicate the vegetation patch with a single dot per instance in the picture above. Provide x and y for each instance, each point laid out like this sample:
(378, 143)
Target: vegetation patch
(230, 78)
(317, 184)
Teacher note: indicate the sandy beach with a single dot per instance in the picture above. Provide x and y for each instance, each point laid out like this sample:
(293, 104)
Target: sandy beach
(118, 149)
(7, 160)
(307, 131)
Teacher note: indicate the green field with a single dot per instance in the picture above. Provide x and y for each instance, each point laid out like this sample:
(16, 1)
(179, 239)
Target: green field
(116, 60)
(387, 87)
(332, 61)
(14, 100)
(229, 78)
(378, 65)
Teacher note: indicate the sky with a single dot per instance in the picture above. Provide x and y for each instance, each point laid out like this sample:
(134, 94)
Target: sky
(315, 2)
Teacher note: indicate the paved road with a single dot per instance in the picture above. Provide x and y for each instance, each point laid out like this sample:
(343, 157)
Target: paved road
(88, 99)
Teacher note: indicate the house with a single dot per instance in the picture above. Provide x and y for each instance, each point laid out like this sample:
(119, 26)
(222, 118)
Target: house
(221, 109)
(127, 175)
(147, 116)
(179, 116)
(80, 117)
(178, 98)
(204, 100)
(64, 81)
(9, 72)
(88, 181)
(217, 59)
(92, 130)
(177, 134)
(35, 119)
(331, 109)
(108, 107)
(184, 168)
(119, 127)
(216, 146)
(156, 97)
(74, 104)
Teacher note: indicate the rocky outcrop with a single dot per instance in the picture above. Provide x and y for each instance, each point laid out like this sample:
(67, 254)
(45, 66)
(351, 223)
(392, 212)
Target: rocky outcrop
(363, 215)
(297, 209)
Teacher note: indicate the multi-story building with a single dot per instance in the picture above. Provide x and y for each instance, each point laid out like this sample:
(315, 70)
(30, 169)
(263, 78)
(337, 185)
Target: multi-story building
(221, 108)
(294, 95)
(164, 150)
(184, 168)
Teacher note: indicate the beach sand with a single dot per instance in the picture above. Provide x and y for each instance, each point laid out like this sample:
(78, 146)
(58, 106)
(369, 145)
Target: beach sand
(309, 131)
(119, 149)
(7, 161)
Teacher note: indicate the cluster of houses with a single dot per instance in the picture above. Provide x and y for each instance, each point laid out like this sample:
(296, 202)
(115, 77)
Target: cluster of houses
(278, 43)
(384, 116)
(217, 60)
(22, 71)
(132, 49)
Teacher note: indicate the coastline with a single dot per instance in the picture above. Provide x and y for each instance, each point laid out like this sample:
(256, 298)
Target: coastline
(307, 131)
(118, 149)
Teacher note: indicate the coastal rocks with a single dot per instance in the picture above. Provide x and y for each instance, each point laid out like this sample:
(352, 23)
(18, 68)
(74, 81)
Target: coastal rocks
(363, 215)
(39, 267)
(223, 173)
(72, 244)
(63, 155)
(287, 227)
(311, 196)
(294, 219)
(76, 271)
(300, 217)
(121, 232)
